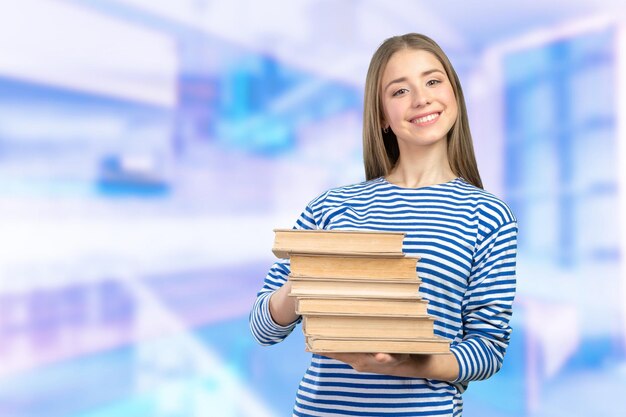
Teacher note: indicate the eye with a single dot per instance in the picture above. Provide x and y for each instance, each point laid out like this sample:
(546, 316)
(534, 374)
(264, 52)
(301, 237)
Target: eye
(430, 83)
(399, 92)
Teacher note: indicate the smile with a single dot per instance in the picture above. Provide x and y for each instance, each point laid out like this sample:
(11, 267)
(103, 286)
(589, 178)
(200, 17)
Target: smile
(426, 119)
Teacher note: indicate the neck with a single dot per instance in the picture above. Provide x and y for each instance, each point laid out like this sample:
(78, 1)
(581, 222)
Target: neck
(421, 169)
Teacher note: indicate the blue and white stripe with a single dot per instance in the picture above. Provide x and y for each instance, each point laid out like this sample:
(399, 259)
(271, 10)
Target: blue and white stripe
(467, 241)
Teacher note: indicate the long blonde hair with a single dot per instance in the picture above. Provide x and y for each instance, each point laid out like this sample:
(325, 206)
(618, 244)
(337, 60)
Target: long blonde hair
(380, 149)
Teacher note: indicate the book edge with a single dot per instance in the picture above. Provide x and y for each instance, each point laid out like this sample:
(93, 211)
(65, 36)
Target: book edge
(361, 232)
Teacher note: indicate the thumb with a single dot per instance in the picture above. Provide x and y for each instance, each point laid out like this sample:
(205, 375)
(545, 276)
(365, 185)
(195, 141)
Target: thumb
(383, 357)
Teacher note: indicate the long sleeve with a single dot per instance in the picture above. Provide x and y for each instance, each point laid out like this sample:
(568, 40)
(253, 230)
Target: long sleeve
(487, 305)
(263, 327)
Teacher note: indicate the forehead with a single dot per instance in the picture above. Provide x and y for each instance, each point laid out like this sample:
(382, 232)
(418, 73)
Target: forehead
(409, 63)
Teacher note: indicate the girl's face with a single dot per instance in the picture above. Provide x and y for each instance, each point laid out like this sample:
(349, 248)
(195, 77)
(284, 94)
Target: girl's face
(418, 100)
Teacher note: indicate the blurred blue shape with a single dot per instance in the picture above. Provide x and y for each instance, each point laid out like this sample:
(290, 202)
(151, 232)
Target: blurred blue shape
(562, 183)
(264, 104)
(138, 176)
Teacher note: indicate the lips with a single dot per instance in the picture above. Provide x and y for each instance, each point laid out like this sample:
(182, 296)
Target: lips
(426, 119)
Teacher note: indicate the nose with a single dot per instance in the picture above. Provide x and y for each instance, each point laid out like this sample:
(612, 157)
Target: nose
(420, 97)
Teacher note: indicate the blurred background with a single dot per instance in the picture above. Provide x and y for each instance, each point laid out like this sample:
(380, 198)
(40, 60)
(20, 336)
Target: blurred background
(149, 147)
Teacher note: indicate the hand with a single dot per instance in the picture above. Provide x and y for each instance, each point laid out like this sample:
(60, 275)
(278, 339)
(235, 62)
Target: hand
(439, 367)
(378, 363)
(282, 306)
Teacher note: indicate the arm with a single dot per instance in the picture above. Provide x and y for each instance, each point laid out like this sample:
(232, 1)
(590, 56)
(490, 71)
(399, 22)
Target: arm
(487, 306)
(486, 315)
(264, 327)
(273, 316)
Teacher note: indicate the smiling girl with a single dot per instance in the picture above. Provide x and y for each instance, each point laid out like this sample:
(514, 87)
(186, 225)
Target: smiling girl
(421, 179)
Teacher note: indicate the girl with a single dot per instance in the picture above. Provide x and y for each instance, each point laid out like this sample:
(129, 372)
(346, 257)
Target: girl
(422, 179)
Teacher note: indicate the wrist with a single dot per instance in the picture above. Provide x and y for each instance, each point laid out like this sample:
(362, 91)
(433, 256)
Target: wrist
(440, 367)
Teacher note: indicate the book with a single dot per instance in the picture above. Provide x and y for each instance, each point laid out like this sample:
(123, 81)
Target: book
(329, 287)
(357, 292)
(411, 305)
(353, 266)
(399, 327)
(287, 241)
(426, 345)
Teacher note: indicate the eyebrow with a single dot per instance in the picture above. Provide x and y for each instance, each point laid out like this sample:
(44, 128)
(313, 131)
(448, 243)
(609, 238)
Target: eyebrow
(403, 79)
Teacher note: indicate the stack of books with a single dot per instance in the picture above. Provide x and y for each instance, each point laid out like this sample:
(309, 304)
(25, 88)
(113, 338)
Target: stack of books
(357, 292)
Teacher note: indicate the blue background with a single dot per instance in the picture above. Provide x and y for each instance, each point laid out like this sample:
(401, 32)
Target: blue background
(149, 148)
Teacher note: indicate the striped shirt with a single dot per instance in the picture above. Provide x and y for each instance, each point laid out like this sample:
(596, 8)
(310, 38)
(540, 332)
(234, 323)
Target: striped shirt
(467, 241)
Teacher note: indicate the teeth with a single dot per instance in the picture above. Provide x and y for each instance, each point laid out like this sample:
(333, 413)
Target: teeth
(425, 119)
